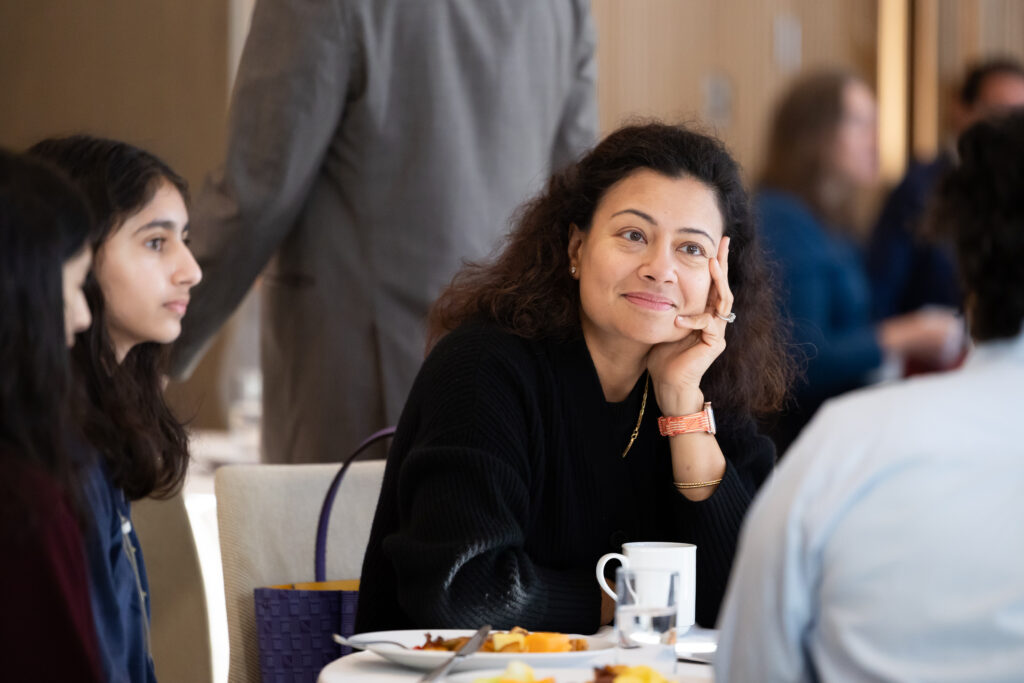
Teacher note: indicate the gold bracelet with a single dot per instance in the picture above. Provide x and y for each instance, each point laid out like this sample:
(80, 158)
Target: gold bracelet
(696, 484)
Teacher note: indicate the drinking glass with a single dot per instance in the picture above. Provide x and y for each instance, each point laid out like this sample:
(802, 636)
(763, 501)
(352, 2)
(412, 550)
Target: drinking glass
(646, 606)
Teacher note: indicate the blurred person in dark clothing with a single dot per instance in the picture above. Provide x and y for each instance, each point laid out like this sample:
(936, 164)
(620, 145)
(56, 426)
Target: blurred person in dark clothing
(909, 270)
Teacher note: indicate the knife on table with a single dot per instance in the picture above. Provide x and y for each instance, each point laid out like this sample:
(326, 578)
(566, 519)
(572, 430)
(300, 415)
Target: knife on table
(468, 648)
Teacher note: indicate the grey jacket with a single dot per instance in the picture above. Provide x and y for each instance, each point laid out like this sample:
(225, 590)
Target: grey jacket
(374, 146)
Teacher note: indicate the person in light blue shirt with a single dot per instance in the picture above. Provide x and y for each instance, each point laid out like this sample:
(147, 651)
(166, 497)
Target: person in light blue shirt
(887, 545)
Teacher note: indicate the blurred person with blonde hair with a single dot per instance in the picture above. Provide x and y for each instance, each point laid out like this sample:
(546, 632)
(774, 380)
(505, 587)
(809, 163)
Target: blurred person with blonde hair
(822, 151)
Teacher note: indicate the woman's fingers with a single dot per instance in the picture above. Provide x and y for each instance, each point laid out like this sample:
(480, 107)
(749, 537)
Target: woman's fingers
(724, 302)
(723, 254)
(695, 322)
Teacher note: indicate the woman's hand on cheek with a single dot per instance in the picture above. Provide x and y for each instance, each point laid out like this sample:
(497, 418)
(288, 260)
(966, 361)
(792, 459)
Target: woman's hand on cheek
(678, 367)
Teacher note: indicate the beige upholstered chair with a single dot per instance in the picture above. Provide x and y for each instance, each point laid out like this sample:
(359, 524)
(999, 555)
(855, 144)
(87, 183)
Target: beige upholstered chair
(267, 515)
(180, 627)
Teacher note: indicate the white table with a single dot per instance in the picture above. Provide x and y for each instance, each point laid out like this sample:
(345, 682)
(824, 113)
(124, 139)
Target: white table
(368, 667)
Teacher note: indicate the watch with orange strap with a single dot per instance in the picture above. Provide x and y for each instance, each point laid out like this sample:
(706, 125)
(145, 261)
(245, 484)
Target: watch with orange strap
(704, 421)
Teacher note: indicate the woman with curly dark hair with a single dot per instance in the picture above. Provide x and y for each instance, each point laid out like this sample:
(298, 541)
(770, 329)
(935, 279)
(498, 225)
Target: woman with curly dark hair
(138, 292)
(530, 442)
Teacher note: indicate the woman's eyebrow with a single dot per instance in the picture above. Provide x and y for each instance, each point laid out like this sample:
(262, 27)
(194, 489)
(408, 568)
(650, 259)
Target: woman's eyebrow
(637, 212)
(165, 225)
(697, 231)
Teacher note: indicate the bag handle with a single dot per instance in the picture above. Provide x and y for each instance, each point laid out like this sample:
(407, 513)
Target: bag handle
(320, 559)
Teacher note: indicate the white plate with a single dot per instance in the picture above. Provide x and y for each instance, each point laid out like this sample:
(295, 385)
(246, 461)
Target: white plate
(700, 643)
(426, 660)
(573, 675)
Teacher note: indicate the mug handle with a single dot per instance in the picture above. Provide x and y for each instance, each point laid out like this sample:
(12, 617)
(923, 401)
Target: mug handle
(600, 571)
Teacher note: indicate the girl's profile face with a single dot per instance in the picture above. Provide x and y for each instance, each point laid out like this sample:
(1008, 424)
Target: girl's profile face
(76, 310)
(145, 271)
(645, 259)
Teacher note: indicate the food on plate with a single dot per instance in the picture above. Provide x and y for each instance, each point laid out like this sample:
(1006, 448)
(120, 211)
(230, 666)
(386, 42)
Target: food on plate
(516, 640)
(515, 672)
(628, 674)
(518, 672)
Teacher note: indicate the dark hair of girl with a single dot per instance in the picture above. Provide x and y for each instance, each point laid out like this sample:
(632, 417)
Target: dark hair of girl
(803, 129)
(528, 290)
(979, 206)
(44, 221)
(127, 419)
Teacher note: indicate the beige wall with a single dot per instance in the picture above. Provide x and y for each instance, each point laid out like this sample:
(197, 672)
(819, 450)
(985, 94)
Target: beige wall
(151, 72)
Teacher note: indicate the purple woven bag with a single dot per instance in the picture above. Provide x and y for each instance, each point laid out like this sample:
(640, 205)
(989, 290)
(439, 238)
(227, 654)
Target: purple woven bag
(295, 624)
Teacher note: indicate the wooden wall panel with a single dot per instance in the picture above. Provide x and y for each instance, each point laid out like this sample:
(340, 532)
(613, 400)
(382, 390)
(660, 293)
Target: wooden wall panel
(148, 71)
(665, 58)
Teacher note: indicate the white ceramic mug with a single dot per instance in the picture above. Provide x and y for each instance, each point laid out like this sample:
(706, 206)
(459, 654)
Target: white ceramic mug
(679, 557)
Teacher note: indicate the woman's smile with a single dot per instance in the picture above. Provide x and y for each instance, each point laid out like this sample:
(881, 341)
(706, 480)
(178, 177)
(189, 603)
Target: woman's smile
(651, 302)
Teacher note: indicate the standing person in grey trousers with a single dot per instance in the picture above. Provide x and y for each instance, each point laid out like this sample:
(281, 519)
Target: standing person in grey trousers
(375, 145)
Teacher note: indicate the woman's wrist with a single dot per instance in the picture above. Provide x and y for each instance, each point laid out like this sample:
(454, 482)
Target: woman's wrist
(678, 401)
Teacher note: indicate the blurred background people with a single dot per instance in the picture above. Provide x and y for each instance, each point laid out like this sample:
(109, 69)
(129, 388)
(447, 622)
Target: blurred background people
(138, 292)
(908, 269)
(887, 545)
(373, 147)
(822, 151)
(46, 625)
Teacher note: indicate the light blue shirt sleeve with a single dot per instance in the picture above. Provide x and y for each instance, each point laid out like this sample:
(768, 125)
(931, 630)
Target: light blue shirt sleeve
(768, 602)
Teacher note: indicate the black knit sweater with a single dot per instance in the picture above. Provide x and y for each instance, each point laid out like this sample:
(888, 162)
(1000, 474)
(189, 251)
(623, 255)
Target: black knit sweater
(506, 482)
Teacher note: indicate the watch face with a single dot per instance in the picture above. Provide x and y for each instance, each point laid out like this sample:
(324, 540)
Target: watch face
(712, 427)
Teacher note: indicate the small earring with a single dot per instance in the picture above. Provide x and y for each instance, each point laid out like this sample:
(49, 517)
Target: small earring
(572, 270)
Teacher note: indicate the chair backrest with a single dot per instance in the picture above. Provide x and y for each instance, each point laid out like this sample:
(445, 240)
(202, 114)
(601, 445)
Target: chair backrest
(267, 517)
(180, 627)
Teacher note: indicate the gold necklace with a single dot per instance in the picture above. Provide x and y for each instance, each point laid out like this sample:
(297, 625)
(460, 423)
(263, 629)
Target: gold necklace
(643, 404)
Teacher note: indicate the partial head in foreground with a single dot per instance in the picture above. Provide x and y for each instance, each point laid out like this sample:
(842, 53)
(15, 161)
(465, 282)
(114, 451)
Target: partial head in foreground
(980, 206)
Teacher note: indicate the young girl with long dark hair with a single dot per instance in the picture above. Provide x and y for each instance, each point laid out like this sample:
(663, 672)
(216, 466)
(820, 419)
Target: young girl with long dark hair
(138, 292)
(44, 257)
